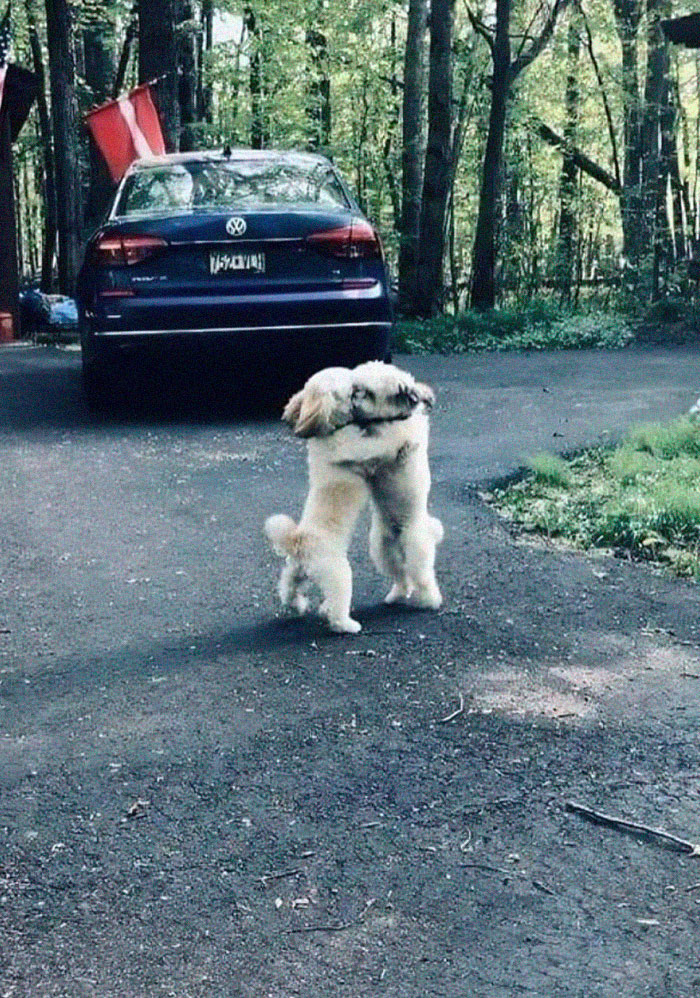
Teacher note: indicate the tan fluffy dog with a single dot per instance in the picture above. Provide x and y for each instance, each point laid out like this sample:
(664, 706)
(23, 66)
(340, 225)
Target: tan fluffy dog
(367, 432)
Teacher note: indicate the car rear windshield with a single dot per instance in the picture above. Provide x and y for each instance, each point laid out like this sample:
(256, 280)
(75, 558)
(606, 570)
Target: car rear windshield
(230, 184)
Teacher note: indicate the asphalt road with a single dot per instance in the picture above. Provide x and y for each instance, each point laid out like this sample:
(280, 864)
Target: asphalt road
(201, 797)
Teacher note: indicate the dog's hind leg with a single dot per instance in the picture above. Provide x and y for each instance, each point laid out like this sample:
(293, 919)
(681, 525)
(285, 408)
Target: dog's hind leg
(387, 553)
(420, 543)
(293, 585)
(334, 579)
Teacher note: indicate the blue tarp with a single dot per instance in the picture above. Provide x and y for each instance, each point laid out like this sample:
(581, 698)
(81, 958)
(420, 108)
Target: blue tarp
(47, 313)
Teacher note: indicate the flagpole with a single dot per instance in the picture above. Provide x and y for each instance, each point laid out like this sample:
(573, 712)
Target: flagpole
(148, 83)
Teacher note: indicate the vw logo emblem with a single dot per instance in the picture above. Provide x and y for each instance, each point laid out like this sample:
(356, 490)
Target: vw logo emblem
(236, 226)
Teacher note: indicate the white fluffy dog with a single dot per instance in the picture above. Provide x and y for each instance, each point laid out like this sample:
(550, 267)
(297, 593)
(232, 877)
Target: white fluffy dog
(367, 432)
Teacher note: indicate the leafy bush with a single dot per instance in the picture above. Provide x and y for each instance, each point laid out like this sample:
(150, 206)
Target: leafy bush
(539, 326)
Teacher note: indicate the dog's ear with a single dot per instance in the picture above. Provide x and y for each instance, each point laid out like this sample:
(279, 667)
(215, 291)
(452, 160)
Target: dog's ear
(426, 395)
(293, 408)
(315, 414)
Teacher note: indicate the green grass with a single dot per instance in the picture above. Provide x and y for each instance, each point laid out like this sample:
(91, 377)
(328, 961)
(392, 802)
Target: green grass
(541, 325)
(548, 469)
(641, 499)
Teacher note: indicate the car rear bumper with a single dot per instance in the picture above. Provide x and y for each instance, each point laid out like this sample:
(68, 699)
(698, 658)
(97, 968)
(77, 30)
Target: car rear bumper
(290, 350)
(345, 326)
(224, 331)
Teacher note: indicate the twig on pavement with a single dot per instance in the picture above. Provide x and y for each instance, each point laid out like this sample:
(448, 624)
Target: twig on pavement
(455, 713)
(341, 927)
(634, 827)
(265, 878)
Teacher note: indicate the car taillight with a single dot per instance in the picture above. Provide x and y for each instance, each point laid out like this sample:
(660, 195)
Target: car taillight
(120, 251)
(359, 239)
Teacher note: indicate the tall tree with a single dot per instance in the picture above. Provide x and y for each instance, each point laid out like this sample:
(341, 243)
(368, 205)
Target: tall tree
(206, 41)
(505, 72)
(64, 107)
(628, 14)
(318, 86)
(47, 173)
(655, 166)
(257, 121)
(412, 152)
(130, 34)
(158, 61)
(98, 38)
(187, 32)
(568, 179)
(438, 155)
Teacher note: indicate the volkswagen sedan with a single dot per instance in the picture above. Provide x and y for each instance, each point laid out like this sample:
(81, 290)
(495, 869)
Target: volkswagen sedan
(262, 257)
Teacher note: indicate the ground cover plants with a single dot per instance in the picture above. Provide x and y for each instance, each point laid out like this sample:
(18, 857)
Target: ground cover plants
(640, 499)
(540, 325)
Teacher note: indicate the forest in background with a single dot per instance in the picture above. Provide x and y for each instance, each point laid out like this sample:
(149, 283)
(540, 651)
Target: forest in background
(506, 149)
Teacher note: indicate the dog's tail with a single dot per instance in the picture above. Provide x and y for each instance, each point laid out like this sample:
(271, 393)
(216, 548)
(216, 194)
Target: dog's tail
(280, 530)
(437, 529)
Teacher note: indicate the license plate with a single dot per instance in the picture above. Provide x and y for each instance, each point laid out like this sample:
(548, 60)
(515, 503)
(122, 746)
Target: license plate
(225, 262)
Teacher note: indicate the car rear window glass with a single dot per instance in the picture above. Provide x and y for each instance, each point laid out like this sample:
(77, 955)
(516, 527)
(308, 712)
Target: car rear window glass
(230, 184)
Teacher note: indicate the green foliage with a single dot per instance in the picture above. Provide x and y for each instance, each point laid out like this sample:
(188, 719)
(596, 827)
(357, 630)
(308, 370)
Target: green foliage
(548, 469)
(667, 440)
(538, 326)
(642, 497)
(363, 58)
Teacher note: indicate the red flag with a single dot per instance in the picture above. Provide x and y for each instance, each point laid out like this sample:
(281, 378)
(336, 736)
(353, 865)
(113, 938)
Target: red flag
(127, 129)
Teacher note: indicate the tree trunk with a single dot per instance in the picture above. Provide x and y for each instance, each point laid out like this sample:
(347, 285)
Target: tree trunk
(431, 246)
(187, 73)
(389, 144)
(99, 72)
(627, 17)
(257, 125)
(483, 283)
(206, 40)
(48, 250)
(158, 61)
(583, 162)
(655, 167)
(130, 34)
(318, 88)
(412, 153)
(65, 132)
(568, 179)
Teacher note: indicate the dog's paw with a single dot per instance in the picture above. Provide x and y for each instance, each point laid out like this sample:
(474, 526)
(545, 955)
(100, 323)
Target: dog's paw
(397, 594)
(428, 597)
(341, 625)
(346, 626)
(299, 604)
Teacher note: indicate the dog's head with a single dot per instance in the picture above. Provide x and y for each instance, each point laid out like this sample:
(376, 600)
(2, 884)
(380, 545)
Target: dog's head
(384, 392)
(322, 405)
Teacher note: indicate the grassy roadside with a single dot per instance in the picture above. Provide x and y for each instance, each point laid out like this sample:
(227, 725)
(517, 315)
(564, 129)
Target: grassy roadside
(641, 499)
(537, 326)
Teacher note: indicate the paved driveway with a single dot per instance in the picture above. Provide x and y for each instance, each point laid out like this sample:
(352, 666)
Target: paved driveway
(199, 797)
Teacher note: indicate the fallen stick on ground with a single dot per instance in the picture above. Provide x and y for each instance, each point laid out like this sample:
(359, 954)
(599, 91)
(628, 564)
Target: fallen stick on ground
(455, 713)
(341, 927)
(681, 845)
(265, 878)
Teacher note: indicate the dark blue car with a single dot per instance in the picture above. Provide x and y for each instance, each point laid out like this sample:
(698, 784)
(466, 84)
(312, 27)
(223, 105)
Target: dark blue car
(263, 257)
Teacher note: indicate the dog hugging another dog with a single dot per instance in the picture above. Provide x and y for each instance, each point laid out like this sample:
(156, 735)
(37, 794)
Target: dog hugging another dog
(367, 433)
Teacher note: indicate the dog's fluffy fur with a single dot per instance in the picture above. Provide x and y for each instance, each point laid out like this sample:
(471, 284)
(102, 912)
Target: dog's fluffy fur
(367, 432)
